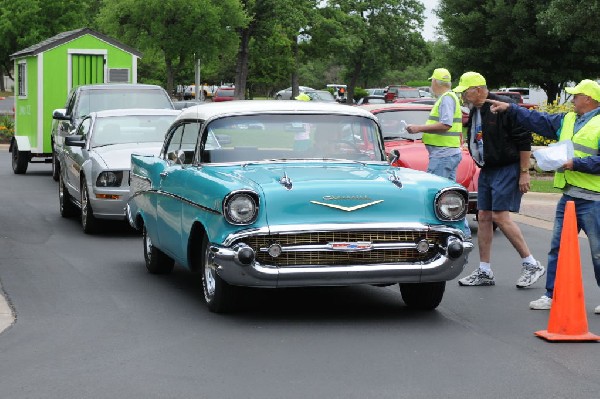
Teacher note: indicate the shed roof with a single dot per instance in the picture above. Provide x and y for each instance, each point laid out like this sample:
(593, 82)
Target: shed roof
(65, 37)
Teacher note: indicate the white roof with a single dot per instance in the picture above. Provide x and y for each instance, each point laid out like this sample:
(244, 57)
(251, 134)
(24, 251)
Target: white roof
(245, 107)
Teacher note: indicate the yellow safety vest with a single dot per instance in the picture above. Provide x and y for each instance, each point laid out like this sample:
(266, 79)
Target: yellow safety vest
(450, 138)
(585, 144)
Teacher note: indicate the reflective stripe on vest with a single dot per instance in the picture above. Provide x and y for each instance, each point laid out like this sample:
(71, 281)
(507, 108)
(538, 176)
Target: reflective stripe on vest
(585, 144)
(451, 137)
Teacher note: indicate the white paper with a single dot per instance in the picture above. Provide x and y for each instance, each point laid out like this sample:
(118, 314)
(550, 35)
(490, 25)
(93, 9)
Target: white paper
(554, 156)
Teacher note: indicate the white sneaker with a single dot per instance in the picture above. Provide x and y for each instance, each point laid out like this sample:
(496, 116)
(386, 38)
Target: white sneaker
(544, 303)
(530, 273)
(478, 277)
(597, 310)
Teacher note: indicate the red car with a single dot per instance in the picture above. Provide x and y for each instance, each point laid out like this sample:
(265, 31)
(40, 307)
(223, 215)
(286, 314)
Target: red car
(223, 94)
(413, 153)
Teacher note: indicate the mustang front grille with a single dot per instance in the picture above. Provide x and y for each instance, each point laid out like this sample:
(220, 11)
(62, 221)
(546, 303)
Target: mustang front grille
(316, 248)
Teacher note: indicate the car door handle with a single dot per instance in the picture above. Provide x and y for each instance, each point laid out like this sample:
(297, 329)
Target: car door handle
(163, 174)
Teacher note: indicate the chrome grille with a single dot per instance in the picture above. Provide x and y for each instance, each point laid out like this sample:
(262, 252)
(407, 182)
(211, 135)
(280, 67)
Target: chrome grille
(332, 257)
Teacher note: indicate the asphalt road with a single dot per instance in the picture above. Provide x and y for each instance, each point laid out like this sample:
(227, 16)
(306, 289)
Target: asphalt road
(91, 323)
(6, 104)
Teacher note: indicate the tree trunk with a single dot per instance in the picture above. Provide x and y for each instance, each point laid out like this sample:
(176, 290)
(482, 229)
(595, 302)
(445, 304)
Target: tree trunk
(552, 90)
(241, 68)
(352, 83)
(295, 81)
(2, 88)
(170, 75)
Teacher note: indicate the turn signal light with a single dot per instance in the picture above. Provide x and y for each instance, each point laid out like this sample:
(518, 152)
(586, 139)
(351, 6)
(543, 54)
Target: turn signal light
(108, 196)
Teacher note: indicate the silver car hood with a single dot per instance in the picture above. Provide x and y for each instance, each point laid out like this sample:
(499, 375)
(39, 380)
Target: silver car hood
(118, 156)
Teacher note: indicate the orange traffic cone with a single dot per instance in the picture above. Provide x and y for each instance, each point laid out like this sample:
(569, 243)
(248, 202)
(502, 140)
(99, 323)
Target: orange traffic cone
(568, 320)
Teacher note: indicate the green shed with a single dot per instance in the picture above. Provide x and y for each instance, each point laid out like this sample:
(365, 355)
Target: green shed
(47, 71)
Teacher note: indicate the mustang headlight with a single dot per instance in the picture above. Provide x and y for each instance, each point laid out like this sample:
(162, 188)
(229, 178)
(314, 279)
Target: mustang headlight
(451, 204)
(109, 179)
(241, 207)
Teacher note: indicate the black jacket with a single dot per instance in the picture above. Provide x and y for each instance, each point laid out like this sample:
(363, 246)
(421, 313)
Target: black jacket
(503, 139)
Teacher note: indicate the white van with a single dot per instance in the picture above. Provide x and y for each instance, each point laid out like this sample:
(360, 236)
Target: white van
(530, 95)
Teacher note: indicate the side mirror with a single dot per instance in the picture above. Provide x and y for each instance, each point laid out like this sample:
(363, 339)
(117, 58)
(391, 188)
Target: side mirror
(75, 141)
(60, 114)
(394, 156)
(177, 157)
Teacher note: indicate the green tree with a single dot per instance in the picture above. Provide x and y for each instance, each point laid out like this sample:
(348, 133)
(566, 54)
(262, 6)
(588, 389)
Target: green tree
(26, 22)
(509, 44)
(173, 31)
(580, 20)
(366, 36)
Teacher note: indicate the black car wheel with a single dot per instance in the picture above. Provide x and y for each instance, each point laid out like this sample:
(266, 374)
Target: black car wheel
(88, 221)
(423, 296)
(55, 166)
(220, 297)
(67, 208)
(20, 159)
(157, 262)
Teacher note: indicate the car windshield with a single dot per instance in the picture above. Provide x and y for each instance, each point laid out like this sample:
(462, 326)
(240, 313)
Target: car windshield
(130, 129)
(408, 93)
(392, 126)
(100, 100)
(297, 136)
(320, 95)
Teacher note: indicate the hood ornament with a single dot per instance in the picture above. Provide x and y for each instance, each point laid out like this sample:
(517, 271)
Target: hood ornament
(395, 179)
(285, 181)
(347, 208)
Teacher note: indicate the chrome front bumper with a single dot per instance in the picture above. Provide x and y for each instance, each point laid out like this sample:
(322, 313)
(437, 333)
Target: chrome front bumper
(237, 265)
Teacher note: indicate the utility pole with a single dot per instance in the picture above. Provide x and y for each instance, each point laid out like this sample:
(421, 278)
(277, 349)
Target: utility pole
(199, 91)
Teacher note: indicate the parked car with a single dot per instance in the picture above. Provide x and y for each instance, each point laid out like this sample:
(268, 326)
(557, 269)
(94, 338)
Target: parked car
(371, 99)
(286, 94)
(94, 170)
(224, 94)
(265, 211)
(376, 92)
(517, 97)
(99, 97)
(320, 95)
(401, 94)
(413, 153)
(186, 103)
(339, 92)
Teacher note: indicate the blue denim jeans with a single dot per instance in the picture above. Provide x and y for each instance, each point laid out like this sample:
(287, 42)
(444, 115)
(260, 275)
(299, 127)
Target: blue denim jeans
(446, 167)
(588, 220)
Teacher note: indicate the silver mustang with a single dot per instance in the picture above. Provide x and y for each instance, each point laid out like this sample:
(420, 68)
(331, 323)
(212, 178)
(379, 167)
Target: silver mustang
(94, 172)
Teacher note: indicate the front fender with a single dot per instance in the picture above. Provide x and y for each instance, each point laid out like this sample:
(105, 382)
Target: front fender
(22, 143)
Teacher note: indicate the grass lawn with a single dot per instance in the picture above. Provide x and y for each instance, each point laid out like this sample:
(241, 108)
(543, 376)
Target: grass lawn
(543, 183)
(6, 93)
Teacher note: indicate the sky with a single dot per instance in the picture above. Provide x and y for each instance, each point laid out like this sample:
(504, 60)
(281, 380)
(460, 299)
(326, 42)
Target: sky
(431, 19)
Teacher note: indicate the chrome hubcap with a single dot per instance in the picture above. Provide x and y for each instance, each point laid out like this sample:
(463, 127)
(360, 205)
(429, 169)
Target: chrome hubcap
(209, 277)
(148, 246)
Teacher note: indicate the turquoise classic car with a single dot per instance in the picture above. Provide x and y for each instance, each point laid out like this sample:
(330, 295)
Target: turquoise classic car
(289, 194)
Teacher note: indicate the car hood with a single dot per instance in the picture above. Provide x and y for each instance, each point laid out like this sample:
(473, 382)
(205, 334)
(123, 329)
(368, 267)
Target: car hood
(342, 193)
(118, 156)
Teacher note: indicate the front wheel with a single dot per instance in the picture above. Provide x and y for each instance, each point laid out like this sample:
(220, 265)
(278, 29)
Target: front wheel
(157, 262)
(220, 297)
(423, 296)
(55, 166)
(64, 200)
(88, 220)
(20, 160)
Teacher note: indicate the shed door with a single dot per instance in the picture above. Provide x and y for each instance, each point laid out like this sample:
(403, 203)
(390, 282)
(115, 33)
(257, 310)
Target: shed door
(87, 69)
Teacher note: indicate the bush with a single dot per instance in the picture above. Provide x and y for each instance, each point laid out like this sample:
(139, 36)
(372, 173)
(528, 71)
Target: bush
(552, 108)
(7, 128)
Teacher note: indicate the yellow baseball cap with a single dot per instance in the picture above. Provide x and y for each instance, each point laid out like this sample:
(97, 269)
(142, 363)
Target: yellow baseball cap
(302, 97)
(441, 74)
(469, 79)
(586, 87)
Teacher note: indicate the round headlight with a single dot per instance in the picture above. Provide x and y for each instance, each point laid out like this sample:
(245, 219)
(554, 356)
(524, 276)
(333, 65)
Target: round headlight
(451, 205)
(241, 209)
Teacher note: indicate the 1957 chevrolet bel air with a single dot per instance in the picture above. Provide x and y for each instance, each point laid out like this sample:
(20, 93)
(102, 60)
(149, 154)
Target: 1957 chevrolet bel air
(292, 193)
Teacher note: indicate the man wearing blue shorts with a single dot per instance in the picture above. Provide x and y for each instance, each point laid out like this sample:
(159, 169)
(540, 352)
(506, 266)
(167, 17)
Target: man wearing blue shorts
(502, 149)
